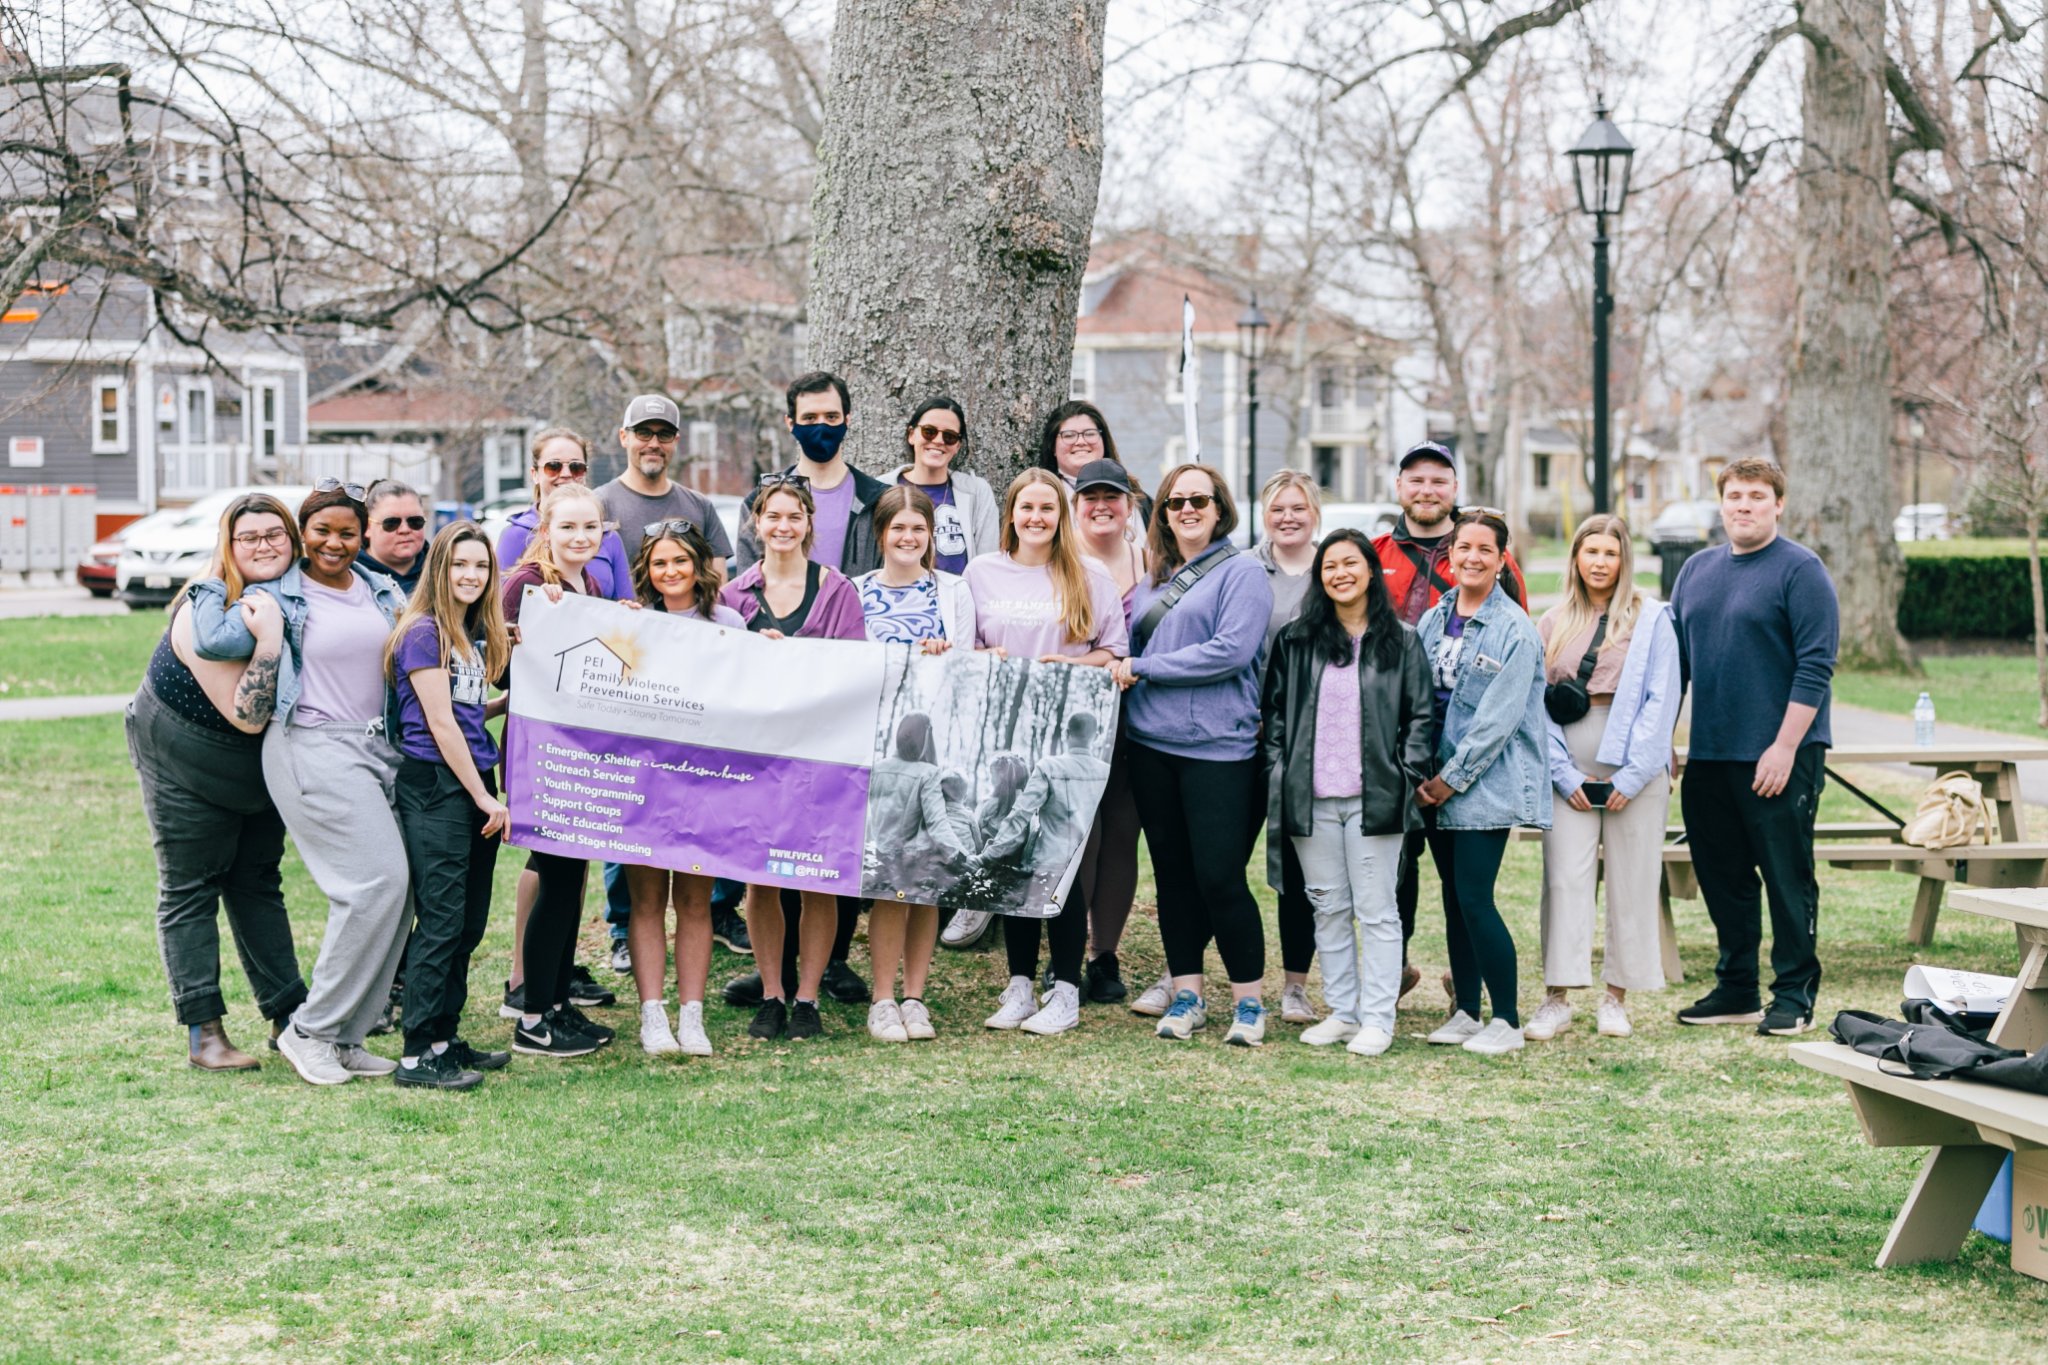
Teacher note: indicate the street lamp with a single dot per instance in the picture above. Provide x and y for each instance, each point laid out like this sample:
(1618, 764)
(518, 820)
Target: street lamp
(1600, 165)
(1251, 343)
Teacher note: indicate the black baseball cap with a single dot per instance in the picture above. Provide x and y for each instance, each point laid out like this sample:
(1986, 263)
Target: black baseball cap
(1430, 450)
(1102, 474)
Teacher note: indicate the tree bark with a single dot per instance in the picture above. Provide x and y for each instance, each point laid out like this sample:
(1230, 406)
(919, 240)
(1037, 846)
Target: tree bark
(1839, 398)
(957, 178)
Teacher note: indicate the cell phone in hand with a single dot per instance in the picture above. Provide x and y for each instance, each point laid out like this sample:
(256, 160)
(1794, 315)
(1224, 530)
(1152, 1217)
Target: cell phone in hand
(1597, 792)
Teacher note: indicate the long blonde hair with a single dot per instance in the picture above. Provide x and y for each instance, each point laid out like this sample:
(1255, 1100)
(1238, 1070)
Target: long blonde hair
(223, 566)
(538, 551)
(1576, 614)
(1069, 574)
(459, 626)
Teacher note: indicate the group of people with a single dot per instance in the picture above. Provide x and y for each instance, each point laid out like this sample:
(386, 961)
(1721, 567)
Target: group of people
(1360, 700)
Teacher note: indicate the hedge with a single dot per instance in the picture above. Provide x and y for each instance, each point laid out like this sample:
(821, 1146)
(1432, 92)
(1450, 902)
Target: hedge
(1982, 598)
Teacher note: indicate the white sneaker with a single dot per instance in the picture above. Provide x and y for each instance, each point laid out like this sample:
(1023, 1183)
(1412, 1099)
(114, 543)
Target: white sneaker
(1295, 1008)
(1060, 1012)
(1157, 999)
(656, 1038)
(1497, 1037)
(1612, 1017)
(691, 1038)
(885, 1022)
(622, 957)
(1247, 1024)
(966, 927)
(358, 1060)
(1457, 1030)
(917, 1021)
(1187, 1014)
(1552, 1017)
(1331, 1030)
(312, 1059)
(1017, 1004)
(1370, 1042)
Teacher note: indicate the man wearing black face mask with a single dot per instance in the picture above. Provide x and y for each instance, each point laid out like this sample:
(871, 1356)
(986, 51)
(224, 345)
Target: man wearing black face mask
(845, 523)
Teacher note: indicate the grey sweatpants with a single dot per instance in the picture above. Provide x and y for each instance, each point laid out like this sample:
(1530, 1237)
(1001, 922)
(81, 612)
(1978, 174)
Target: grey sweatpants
(334, 785)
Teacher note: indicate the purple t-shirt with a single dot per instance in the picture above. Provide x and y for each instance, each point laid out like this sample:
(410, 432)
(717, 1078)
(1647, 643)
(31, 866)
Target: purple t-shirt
(949, 527)
(468, 689)
(1017, 606)
(829, 526)
(341, 663)
(1339, 768)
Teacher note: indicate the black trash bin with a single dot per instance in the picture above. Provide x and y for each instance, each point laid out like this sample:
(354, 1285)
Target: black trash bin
(1671, 557)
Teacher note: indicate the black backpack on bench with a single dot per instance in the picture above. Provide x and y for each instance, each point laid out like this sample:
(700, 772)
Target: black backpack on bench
(1931, 1044)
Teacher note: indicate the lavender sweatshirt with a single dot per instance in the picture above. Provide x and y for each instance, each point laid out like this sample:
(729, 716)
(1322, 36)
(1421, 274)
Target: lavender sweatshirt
(1197, 694)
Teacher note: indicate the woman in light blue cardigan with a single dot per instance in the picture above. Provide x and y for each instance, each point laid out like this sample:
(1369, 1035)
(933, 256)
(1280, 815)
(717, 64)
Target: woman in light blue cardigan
(1486, 661)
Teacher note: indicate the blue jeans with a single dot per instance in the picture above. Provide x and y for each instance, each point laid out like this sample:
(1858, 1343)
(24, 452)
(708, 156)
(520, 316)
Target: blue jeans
(618, 903)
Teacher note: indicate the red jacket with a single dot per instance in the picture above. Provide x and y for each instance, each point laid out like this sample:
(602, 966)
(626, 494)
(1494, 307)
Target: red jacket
(1417, 575)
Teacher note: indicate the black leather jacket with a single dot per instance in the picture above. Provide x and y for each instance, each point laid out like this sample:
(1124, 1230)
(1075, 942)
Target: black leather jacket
(1397, 751)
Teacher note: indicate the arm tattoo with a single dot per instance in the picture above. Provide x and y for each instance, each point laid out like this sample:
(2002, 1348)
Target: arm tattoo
(256, 694)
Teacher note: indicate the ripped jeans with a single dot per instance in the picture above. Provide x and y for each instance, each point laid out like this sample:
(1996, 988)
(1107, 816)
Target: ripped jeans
(1349, 876)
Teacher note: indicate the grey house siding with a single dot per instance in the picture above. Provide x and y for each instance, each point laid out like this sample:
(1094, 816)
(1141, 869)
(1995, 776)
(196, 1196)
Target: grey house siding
(1131, 386)
(55, 402)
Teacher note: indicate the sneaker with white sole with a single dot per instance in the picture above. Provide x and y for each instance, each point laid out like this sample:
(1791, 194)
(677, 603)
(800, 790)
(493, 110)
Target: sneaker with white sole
(1370, 1042)
(656, 1038)
(1247, 1023)
(1497, 1037)
(312, 1059)
(917, 1021)
(622, 957)
(1295, 1008)
(1332, 1030)
(1612, 1017)
(966, 928)
(358, 1060)
(1018, 1003)
(1552, 1017)
(1060, 1011)
(691, 1039)
(885, 1022)
(1186, 1014)
(1456, 1031)
(1157, 999)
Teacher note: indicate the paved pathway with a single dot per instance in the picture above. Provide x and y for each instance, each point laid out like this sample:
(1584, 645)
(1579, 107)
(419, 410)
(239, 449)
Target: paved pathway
(57, 708)
(1856, 725)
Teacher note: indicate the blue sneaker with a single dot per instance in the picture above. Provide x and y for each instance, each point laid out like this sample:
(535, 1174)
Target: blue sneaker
(1247, 1024)
(1183, 1016)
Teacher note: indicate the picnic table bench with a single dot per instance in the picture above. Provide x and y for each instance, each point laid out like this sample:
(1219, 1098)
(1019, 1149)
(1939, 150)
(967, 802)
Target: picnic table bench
(1971, 1126)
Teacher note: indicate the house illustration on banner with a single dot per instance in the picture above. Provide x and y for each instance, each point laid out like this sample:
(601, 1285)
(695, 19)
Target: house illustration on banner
(591, 657)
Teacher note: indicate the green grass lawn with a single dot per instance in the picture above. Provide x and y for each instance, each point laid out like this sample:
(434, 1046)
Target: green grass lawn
(1682, 1194)
(67, 656)
(1966, 547)
(1550, 582)
(1992, 692)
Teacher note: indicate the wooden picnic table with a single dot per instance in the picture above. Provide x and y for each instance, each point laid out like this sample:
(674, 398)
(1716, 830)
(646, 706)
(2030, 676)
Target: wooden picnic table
(1995, 766)
(1971, 1126)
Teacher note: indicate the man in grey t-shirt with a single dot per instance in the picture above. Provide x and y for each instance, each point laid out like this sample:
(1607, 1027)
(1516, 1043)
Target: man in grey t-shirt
(645, 494)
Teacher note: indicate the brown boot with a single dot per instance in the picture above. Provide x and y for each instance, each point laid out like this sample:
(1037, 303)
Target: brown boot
(1411, 977)
(210, 1050)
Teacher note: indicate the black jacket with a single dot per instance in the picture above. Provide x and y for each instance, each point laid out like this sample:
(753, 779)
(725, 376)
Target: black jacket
(1397, 745)
(863, 552)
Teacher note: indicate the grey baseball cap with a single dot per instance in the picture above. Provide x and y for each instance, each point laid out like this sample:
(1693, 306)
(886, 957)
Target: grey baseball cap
(652, 407)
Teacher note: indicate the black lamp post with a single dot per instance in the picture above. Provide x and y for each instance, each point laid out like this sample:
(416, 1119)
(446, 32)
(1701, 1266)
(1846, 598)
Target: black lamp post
(1251, 343)
(1600, 165)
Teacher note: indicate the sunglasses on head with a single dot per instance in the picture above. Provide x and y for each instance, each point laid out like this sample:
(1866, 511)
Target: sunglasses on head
(674, 529)
(784, 481)
(330, 484)
(1199, 501)
(577, 468)
(1473, 513)
(390, 524)
(943, 437)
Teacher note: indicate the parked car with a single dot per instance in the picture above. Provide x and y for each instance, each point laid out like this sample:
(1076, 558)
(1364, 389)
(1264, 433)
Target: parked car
(97, 572)
(155, 563)
(729, 507)
(496, 514)
(1374, 518)
(1698, 523)
(1923, 521)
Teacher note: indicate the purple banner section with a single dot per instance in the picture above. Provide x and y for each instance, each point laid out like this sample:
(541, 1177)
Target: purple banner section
(717, 812)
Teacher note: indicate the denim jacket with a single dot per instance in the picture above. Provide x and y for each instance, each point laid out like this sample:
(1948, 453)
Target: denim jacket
(1637, 741)
(1495, 743)
(218, 631)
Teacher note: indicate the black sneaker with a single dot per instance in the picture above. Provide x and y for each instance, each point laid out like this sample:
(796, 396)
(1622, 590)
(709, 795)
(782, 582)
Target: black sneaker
(277, 1027)
(771, 1020)
(515, 1001)
(1104, 984)
(804, 1021)
(584, 990)
(577, 1020)
(551, 1038)
(730, 928)
(470, 1059)
(843, 984)
(1721, 1007)
(437, 1071)
(1785, 1021)
(744, 992)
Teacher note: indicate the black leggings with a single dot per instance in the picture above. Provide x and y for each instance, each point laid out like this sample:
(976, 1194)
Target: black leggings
(1297, 918)
(1199, 826)
(1069, 935)
(549, 950)
(1481, 948)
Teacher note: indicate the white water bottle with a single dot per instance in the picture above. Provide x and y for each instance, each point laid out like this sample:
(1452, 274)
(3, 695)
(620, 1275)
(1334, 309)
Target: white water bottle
(1923, 721)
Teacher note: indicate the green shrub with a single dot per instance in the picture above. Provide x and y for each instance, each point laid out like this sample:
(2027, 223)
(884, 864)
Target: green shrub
(1965, 596)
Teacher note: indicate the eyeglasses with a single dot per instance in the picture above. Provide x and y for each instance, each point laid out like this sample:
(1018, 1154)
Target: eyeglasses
(330, 484)
(674, 528)
(249, 540)
(665, 434)
(939, 434)
(577, 468)
(784, 481)
(390, 524)
(1085, 436)
(1199, 501)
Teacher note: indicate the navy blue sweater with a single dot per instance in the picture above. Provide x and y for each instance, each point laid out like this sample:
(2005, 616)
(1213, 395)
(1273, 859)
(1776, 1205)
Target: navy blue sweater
(1756, 632)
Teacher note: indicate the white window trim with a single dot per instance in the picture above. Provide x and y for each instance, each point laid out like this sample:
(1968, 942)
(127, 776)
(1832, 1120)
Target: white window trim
(1081, 375)
(703, 442)
(257, 425)
(119, 444)
(1174, 452)
(1175, 392)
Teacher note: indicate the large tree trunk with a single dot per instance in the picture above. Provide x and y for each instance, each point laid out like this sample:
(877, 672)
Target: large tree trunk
(1839, 401)
(957, 177)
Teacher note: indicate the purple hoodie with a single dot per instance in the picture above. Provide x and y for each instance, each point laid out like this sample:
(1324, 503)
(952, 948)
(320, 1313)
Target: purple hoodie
(1197, 694)
(835, 615)
(612, 570)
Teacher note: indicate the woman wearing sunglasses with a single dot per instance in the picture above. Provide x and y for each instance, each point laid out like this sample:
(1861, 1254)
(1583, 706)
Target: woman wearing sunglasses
(560, 456)
(965, 523)
(1198, 637)
(397, 540)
